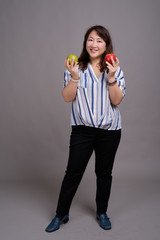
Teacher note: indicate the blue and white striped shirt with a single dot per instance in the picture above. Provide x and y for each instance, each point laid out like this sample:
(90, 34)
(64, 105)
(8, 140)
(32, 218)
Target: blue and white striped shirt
(92, 106)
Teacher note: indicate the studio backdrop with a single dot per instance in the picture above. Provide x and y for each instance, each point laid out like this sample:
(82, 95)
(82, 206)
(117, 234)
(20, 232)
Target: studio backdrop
(35, 38)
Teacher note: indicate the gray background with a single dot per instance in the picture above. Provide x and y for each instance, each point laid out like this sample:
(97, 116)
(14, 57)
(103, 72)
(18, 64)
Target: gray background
(35, 38)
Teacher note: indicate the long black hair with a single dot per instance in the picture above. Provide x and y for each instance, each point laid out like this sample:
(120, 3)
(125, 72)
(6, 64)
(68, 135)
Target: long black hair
(84, 56)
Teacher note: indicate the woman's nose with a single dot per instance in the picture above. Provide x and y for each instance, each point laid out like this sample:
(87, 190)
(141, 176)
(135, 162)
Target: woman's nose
(94, 44)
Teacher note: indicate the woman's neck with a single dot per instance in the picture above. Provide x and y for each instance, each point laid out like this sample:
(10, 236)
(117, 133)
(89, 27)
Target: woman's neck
(95, 63)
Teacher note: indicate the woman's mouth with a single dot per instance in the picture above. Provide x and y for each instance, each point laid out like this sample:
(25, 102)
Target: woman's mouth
(93, 50)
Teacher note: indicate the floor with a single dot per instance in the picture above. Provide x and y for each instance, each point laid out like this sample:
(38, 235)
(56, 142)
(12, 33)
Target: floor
(26, 208)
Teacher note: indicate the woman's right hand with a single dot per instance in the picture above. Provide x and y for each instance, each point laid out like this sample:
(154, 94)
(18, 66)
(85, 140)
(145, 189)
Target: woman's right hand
(72, 68)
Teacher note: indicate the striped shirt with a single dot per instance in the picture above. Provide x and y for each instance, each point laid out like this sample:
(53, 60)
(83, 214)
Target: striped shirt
(92, 106)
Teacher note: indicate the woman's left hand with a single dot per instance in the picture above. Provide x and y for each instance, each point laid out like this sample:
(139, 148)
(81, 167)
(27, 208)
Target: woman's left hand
(112, 68)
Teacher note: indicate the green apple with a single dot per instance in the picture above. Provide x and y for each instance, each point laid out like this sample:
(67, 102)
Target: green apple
(71, 57)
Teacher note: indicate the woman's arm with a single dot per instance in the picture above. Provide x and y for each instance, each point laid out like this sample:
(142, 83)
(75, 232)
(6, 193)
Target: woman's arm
(70, 91)
(115, 93)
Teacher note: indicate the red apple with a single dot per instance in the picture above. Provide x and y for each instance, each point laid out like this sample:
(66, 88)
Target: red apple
(71, 57)
(108, 58)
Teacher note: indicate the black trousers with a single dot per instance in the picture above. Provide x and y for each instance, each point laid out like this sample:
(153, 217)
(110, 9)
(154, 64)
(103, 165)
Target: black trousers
(83, 141)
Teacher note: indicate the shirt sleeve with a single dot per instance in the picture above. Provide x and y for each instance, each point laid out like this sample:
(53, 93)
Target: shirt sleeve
(67, 77)
(120, 80)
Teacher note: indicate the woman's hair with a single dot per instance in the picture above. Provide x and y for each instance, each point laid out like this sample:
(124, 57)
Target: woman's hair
(84, 56)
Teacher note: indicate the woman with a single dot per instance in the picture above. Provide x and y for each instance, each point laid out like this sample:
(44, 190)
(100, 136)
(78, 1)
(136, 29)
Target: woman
(95, 88)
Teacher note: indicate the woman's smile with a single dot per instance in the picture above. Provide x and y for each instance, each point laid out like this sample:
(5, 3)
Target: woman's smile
(93, 50)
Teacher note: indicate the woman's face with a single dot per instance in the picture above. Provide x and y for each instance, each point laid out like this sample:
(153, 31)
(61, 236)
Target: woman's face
(95, 45)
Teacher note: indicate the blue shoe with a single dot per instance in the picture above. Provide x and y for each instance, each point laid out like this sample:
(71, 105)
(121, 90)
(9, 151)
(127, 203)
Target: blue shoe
(56, 222)
(104, 221)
